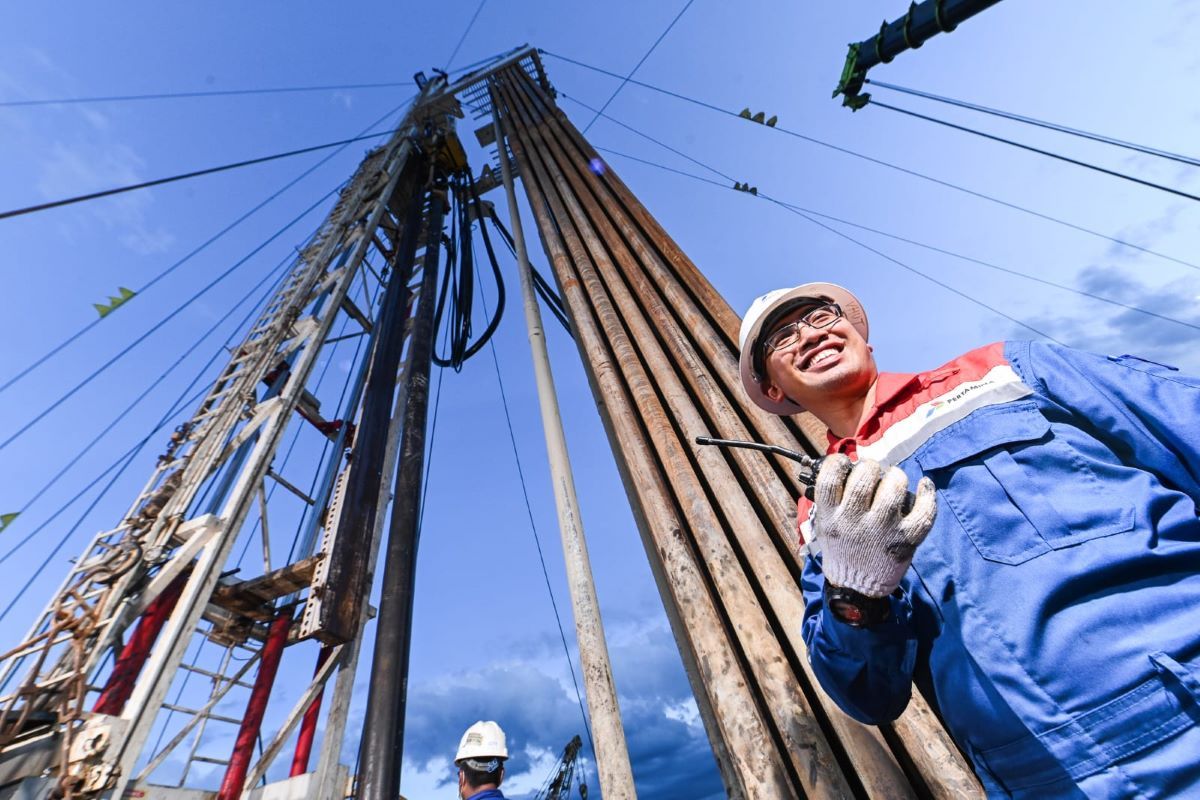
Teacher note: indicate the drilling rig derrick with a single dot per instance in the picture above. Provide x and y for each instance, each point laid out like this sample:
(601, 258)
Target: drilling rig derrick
(81, 695)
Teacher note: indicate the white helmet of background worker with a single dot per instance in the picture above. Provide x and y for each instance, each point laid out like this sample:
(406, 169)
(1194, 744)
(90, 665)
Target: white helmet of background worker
(483, 743)
(761, 317)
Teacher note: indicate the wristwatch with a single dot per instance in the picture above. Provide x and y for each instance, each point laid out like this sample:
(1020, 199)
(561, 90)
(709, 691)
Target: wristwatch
(855, 608)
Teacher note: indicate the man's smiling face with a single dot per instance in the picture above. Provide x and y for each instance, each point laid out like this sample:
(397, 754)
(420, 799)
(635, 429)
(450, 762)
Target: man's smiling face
(824, 367)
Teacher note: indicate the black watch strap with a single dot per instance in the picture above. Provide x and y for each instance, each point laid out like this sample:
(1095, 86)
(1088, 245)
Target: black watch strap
(855, 608)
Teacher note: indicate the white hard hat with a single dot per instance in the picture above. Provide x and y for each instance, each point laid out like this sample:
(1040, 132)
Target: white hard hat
(768, 308)
(483, 740)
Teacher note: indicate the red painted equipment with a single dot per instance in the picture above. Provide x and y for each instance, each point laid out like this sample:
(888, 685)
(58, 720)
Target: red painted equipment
(308, 725)
(133, 656)
(256, 707)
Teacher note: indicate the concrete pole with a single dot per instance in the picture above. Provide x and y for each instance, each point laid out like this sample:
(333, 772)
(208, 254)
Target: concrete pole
(612, 754)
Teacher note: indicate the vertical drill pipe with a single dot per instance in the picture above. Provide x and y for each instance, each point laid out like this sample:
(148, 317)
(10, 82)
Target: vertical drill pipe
(705, 403)
(347, 565)
(256, 708)
(612, 754)
(135, 652)
(308, 725)
(383, 729)
(326, 780)
(751, 766)
(802, 743)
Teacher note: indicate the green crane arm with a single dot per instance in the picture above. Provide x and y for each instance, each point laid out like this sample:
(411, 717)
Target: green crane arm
(923, 21)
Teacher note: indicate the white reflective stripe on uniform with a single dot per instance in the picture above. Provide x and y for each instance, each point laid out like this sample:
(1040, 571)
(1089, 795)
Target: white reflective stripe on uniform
(1000, 385)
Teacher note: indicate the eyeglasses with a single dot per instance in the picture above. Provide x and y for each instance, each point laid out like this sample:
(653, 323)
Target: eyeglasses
(788, 335)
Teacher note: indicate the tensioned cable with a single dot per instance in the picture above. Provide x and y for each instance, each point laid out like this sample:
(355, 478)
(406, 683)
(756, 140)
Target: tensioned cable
(184, 176)
(553, 302)
(125, 98)
(829, 228)
(475, 64)
(129, 459)
(1040, 123)
(512, 437)
(914, 242)
(1048, 153)
(467, 30)
(101, 476)
(638, 65)
(24, 428)
(896, 167)
(145, 393)
(178, 406)
(172, 410)
(196, 251)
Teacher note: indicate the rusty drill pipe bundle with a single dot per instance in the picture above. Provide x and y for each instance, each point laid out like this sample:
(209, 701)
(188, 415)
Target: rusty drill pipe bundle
(644, 310)
(921, 738)
(870, 757)
(801, 748)
(750, 769)
(920, 735)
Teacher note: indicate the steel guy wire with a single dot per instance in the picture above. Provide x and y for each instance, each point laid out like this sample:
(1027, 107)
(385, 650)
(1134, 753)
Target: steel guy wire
(638, 65)
(831, 229)
(104, 431)
(1040, 123)
(914, 242)
(194, 252)
(466, 30)
(26, 427)
(16, 212)
(880, 162)
(1040, 151)
(179, 405)
(129, 459)
(124, 98)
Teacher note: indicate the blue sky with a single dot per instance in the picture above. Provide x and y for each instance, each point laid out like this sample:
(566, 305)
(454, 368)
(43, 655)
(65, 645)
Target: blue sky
(485, 644)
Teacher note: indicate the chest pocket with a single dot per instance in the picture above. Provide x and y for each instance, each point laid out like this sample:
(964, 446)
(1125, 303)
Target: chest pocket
(1017, 485)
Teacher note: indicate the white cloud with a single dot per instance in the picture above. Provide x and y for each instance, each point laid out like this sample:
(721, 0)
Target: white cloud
(685, 712)
(81, 168)
(77, 149)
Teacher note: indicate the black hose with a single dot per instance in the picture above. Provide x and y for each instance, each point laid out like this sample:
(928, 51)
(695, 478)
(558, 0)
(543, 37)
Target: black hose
(458, 281)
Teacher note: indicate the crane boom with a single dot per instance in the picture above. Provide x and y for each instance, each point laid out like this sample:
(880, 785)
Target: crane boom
(558, 787)
(922, 22)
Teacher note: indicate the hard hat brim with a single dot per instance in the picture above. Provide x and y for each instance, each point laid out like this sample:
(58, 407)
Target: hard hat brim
(852, 310)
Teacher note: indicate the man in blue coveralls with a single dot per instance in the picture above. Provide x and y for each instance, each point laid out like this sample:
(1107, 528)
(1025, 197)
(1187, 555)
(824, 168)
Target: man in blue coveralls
(480, 761)
(1042, 587)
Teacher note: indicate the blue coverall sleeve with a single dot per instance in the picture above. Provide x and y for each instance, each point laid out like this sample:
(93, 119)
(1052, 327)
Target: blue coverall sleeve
(1148, 410)
(867, 671)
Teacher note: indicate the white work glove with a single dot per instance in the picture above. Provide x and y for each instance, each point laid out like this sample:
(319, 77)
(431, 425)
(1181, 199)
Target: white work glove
(867, 540)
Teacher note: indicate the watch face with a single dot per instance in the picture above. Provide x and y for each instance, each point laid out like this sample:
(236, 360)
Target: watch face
(846, 611)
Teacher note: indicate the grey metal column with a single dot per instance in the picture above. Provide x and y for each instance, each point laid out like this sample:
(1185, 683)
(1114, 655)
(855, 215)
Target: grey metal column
(382, 746)
(612, 754)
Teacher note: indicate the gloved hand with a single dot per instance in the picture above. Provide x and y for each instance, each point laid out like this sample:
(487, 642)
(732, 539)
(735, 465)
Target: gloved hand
(867, 536)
